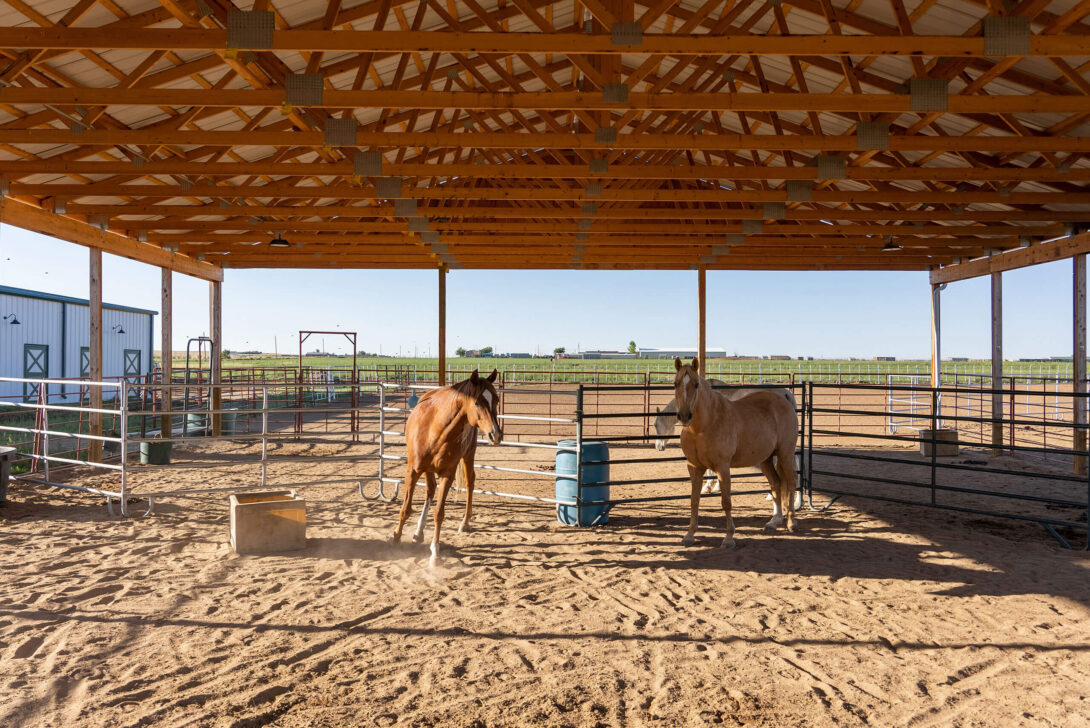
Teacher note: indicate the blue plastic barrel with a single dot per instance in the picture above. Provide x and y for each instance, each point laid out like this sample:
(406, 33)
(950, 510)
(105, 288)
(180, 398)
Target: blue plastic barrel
(413, 399)
(592, 474)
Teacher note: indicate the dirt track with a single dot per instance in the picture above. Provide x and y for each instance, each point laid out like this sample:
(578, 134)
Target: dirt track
(872, 614)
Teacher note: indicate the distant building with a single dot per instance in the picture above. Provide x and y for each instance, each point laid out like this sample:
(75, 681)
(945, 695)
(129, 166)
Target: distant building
(606, 354)
(885, 358)
(46, 336)
(683, 352)
(780, 357)
(519, 355)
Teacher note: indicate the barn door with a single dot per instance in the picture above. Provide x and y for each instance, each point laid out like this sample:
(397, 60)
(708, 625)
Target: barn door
(132, 371)
(35, 366)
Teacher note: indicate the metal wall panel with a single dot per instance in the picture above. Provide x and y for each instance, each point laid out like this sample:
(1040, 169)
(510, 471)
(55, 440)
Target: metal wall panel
(40, 323)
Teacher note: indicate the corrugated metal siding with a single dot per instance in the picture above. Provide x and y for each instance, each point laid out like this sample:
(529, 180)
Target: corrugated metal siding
(40, 323)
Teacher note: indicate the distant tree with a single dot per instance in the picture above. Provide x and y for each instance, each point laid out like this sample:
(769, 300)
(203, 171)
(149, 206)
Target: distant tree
(486, 350)
(632, 347)
(558, 350)
(460, 351)
(226, 354)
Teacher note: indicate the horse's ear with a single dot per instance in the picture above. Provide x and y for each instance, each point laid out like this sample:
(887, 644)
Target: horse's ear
(493, 375)
(474, 376)
(696, 364)
(677, 363)
(658, 410)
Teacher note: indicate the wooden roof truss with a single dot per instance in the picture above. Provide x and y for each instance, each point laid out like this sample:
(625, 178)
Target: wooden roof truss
(593, 134)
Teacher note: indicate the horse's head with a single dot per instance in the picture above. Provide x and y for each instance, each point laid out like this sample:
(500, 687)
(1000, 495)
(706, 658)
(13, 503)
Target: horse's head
(484, 413)
(664, 425)
(686, 383)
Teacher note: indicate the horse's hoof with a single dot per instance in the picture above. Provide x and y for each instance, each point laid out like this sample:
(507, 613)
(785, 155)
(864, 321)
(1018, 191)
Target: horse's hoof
(773, 525)
(688, 540)
(791, 527)
(464, 528)
(728, 543)
(418, 538)
(395, 538)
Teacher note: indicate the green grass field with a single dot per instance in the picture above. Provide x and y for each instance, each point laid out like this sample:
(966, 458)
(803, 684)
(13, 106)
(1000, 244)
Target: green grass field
(630, 369)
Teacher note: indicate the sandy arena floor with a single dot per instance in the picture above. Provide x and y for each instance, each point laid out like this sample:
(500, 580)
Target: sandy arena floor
(872, 614)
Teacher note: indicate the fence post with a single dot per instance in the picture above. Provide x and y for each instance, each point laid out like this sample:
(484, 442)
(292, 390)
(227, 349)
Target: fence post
(45, 433)
(810, 446)
(123, 404)
(579, 454)
(264, 433)
(934, 437)
(381, 434)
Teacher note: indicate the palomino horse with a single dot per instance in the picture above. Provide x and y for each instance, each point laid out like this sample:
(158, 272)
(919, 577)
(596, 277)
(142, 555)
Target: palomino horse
(440, 434)
(719, 434)
(666, 419)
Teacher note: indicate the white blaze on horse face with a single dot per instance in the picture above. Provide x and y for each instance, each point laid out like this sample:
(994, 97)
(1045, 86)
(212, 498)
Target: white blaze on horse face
(684, 406)
(496, 433)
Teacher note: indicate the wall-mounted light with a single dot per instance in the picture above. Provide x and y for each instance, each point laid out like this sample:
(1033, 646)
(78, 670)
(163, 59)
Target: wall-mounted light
(117, 329)
(279, 242)
(10, 318)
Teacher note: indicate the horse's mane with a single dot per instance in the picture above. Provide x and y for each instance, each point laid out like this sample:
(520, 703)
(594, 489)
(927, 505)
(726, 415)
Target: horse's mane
(466, 388)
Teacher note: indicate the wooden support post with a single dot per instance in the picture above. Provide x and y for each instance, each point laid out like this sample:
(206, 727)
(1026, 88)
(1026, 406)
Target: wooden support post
(997, 362)
(702, 319)
(94, 353)
(1078, 367)
(936, 334)
(167, 349)
(215, 326)
(442, 327)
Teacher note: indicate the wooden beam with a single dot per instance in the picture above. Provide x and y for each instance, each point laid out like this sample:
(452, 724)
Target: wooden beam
(19, 170)
(997, 363)
(264, 230)
(442, 327)
(1078, 351)
(215, 330)
(501, 43)
(875, 103)
(702, 318)
(561, 211)
(511, 140)
(94, 352)
(33, 218)
(1014, 259)
(936, 335)
(166, 346)
(538, 192)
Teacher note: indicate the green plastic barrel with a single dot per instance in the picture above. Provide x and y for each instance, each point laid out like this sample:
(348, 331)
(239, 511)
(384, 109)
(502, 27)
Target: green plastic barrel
(155, 453)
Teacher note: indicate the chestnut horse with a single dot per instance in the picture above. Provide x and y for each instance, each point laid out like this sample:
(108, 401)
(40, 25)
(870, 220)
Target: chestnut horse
(440, 435)
(719, 434)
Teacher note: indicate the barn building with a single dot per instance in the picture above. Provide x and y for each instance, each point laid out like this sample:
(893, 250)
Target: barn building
(685, 352)
(46, 335)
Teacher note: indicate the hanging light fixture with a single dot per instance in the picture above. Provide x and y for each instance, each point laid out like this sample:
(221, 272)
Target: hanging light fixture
(890, 245)
(279, 242)
(10, 318)
(117, 329)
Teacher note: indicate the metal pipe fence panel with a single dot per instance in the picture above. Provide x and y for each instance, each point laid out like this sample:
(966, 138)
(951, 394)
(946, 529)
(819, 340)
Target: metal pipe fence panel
(960, 454)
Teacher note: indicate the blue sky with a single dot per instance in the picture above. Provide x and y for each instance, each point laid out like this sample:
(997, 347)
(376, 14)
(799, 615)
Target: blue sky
(821, 314)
